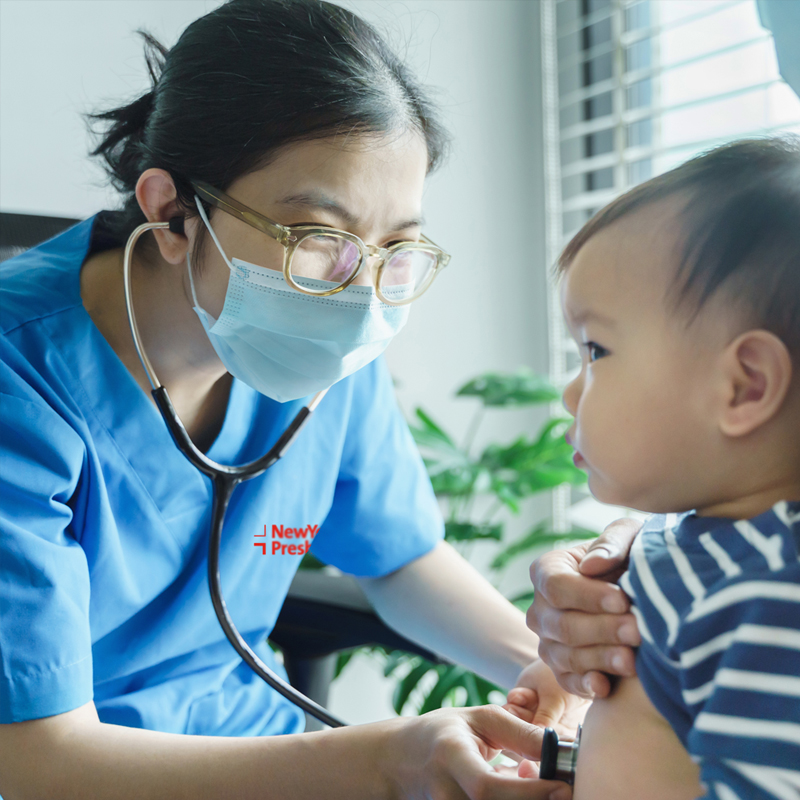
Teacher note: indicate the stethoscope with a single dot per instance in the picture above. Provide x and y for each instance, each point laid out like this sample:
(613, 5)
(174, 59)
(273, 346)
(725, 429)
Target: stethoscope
(558, 758)
(225, 479)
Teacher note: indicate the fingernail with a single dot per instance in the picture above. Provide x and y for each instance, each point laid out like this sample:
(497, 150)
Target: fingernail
(618, 663)
(613, 603)
(586, 683)
(560, 794)
(628, 633)
(598, 552)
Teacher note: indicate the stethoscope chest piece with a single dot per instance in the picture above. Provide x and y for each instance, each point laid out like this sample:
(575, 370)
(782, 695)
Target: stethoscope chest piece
(559, 759)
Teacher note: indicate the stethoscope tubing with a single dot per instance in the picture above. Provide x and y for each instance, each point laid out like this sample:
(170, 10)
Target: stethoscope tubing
(225, 479)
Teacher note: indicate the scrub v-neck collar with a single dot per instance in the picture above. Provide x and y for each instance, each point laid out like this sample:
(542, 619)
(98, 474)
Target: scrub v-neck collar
(129, 416)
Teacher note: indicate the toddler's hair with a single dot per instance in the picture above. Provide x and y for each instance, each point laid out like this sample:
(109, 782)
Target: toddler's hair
(741, 230)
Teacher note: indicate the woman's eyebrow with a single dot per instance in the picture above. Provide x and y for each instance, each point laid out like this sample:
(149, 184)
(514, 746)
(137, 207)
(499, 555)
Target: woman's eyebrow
(323, 202)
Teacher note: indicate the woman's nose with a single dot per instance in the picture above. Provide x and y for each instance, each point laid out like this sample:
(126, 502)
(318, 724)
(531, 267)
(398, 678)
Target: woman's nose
(365, 277)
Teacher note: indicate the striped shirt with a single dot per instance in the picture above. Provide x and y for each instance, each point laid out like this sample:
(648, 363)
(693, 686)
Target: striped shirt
(718, 607)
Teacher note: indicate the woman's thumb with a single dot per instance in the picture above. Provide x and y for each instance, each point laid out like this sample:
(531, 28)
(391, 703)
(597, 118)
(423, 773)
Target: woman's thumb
(503, 731)
(610, 550)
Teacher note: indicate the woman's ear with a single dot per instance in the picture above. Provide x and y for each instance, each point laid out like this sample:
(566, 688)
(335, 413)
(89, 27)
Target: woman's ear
(758, 372)
(157, 197)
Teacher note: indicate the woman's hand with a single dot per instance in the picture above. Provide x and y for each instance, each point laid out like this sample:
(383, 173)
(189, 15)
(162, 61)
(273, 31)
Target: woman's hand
(537, 698)
(582, 623)
(445, 754)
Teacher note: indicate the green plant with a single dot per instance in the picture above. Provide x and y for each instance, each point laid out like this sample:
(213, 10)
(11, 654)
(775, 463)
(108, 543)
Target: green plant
(505, 476)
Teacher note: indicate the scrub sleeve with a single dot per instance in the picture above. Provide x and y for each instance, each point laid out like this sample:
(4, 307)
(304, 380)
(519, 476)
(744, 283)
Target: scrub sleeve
(104, 524)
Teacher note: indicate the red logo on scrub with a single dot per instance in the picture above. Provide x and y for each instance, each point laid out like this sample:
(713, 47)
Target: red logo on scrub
(290, 548)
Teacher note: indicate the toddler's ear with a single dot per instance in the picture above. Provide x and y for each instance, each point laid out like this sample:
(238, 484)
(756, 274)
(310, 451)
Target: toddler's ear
(758, 373)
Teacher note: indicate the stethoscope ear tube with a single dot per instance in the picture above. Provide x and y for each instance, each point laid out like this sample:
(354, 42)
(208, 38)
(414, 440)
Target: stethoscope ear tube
(225, 479)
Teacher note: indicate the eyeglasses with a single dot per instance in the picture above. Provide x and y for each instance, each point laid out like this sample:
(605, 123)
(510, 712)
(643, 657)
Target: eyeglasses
(400, 274)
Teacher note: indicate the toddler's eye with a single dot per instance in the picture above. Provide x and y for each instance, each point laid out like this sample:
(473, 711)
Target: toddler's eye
(595, 351)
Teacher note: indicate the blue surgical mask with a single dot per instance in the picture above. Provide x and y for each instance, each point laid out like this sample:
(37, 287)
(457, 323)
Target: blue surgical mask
(286, 344)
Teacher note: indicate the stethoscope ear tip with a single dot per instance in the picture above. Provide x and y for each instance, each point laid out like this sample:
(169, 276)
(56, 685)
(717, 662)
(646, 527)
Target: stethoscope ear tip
(176, 225)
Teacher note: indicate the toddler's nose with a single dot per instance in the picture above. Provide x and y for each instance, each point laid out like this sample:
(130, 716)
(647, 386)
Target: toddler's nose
(572, 393)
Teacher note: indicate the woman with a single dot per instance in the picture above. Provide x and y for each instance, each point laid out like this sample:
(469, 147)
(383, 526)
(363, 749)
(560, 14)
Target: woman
(278, 132)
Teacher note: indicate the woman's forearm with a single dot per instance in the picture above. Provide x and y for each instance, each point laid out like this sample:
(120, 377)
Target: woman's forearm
(440, 754)
(443, 603)
(74, 755)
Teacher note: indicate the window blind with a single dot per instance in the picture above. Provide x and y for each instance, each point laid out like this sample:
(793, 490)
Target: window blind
(633, 88)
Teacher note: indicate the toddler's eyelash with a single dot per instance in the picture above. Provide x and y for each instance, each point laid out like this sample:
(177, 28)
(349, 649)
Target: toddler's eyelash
(595, 350)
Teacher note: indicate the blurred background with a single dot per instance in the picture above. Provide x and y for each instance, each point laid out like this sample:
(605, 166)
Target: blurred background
(555, 106)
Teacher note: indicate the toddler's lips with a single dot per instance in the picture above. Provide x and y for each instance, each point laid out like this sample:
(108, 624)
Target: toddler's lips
(577, 458)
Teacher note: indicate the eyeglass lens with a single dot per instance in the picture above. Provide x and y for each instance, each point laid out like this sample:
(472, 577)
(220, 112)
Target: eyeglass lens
(332, 258)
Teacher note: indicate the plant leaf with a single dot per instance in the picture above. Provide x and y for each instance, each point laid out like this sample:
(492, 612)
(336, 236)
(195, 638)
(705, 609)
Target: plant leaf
(468, 531)
(450, 469)
(310, 561)
(431, 428)
(342, 660)
(407, 685)
(536, 537)
(474, 697)
(450, 676)
(523, 601)
(485, 687)
(525, 466)
(394, 659)
(520, 388)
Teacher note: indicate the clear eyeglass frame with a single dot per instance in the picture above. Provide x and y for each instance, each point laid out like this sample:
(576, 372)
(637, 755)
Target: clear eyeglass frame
(292, 236)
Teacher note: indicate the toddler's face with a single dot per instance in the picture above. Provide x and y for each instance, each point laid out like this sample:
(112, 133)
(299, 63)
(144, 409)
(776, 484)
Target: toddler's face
(644, 425)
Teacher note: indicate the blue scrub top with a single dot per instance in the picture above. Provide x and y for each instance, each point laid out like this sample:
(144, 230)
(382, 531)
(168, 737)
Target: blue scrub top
(104, 523)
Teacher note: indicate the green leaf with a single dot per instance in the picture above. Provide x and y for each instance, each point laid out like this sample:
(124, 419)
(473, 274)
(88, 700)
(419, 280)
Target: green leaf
(536, 537)
(468, 531)
(394, 660)
(310, 561)
(526, 466)
(523, 601)
(407, 685)
(450, 676)
(474, 697)
(485, 687)
(453, 482)
(430, 428)
(450, 469)
(520, 388)
(342, 661)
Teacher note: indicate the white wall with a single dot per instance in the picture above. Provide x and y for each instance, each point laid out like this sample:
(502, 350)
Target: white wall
(488, 310)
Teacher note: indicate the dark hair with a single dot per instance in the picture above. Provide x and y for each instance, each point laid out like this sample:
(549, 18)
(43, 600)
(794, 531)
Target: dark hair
(740, 229)
(249, 78)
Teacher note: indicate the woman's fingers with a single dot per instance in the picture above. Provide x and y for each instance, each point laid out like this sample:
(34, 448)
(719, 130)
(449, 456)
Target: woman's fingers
(445, 754)
(580, 616)
(590, 685)
(613, 660)
(500, 730)
(579, 629)
(559, 584)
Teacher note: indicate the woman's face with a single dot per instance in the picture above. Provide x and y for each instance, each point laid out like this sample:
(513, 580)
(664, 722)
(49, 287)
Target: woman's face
(370, 186)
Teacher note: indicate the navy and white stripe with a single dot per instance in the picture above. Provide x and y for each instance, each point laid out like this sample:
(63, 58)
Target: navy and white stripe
(718, 605)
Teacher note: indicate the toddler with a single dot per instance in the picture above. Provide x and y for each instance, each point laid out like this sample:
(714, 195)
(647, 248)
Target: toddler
(684, 298)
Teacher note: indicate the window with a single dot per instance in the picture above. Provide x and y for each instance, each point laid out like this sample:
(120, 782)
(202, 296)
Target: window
(633, 88)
